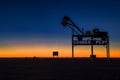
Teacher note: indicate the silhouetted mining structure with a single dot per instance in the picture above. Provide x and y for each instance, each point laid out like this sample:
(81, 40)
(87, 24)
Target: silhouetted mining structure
(81, 37)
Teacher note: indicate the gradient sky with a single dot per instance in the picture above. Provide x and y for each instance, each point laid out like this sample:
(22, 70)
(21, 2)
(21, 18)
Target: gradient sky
(33, 27)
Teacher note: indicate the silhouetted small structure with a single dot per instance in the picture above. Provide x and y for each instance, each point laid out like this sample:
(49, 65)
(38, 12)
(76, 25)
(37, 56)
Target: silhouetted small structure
(34, 57)
(92, 57)
(55, 53)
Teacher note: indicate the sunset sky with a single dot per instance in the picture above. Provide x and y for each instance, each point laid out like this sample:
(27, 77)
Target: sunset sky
(33, 27)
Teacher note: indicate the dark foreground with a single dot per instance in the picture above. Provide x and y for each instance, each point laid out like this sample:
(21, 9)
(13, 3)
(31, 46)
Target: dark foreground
(59, 69)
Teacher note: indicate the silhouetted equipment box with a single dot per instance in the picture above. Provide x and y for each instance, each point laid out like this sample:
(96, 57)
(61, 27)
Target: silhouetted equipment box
(93, 56)
(55, 53)
(100, 34)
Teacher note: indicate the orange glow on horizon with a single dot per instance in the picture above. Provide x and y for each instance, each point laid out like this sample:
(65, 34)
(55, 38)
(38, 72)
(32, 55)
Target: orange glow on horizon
(46, 51)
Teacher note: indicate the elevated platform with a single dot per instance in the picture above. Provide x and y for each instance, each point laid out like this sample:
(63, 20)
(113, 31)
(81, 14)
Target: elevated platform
(89, 42)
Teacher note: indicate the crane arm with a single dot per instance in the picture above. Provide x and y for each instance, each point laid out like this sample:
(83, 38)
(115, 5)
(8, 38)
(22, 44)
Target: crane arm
(66, 20)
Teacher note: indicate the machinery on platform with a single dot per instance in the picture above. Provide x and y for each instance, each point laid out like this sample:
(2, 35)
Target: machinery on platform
(81, 37)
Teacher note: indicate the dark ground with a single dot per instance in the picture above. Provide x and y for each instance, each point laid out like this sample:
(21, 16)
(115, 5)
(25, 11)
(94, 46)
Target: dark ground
(59, 69)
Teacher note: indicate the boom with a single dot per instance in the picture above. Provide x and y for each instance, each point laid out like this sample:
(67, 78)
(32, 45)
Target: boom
(68, 22)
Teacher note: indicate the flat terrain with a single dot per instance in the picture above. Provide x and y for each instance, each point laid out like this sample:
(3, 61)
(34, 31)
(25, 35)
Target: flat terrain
(59, 69)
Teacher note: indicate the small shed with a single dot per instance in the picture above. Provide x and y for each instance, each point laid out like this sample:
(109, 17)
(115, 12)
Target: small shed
(55, 53)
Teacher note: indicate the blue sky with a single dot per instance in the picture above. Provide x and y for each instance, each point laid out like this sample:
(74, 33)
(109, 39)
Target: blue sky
(39, 21)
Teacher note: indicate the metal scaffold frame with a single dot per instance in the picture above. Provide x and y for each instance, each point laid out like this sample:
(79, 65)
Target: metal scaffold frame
(94, 37)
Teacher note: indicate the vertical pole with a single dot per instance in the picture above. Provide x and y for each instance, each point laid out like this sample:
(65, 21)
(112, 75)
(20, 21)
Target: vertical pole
(92, 46)
(107, 49)
(72, 44)
(92, 49)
